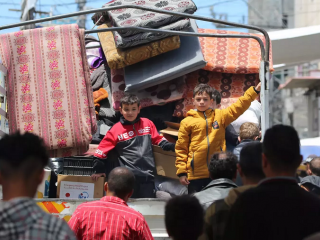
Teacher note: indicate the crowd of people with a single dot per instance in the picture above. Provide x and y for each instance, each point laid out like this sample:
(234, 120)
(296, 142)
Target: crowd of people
(251, 192)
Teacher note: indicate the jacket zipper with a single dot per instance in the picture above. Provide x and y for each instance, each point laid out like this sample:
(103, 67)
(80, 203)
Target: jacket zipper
(207, 129)
(134, 129)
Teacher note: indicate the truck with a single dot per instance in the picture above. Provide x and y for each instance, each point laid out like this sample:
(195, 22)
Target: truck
(152, 209)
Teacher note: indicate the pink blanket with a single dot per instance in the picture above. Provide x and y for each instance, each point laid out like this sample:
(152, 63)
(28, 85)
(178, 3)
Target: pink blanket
(48, 87)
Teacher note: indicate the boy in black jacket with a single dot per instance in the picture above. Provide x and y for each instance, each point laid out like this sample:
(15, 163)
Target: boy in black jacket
(132, 138)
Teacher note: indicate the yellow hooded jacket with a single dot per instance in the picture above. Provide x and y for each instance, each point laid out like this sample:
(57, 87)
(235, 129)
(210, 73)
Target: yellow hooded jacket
(202, 134)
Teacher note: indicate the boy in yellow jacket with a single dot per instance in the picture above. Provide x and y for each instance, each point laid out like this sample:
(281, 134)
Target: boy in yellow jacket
(202, 133)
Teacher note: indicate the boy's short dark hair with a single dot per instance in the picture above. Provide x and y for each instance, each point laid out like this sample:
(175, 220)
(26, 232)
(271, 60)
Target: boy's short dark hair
(248, 130)
(223, 165)
(251, 160)
(129, 99)
(216, 95)
(22, 155)
(203, 88)
(184, 218)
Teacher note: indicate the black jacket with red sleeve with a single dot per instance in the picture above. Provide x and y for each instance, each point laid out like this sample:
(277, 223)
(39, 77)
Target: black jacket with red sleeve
(133, 142)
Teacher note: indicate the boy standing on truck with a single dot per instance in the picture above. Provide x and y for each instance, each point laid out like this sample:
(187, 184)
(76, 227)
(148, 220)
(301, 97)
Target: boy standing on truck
(202, 133)
(133, 138)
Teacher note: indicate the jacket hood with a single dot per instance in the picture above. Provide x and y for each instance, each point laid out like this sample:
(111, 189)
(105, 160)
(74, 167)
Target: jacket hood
(235, 193)
(221, 182)
(197, 114)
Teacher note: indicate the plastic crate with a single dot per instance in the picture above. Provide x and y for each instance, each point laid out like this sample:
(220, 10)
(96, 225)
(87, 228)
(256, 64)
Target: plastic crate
(82, 166)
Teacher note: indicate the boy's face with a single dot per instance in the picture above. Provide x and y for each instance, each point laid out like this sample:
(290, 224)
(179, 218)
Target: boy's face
(202, 101)
(130, 112)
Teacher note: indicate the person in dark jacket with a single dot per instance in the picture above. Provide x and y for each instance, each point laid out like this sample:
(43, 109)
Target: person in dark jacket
(278, 207)
(133, 138)
(248, 133)
(250, 170)
(311, 184)
(223, 171)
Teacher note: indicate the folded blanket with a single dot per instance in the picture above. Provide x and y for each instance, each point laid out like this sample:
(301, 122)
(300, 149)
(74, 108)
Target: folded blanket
(118, 58)
(106, 110)
(147, 37)
(48, 87)
(94, 55)
(129, 17)
(98, 77)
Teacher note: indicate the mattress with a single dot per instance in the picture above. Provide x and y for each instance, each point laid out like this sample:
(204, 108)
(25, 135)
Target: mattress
(49, 91)
(232, 55)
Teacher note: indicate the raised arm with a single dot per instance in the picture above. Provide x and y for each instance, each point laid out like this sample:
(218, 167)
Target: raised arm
(231, 113)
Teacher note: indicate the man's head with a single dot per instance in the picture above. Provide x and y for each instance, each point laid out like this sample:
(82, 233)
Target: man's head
(120, 183)
(314, 167)
(223, 165)
(247, 131)
(202, 97)
(184, 218)
(216, 95)
(281, 151)
(307, 163)
(250, 163)
(130, 107)
(22, 160)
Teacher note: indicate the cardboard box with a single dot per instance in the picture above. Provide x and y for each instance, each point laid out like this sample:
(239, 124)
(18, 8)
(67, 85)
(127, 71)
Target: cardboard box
(165, 162)
(172, 129)
(79, 187)
(169, 138)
